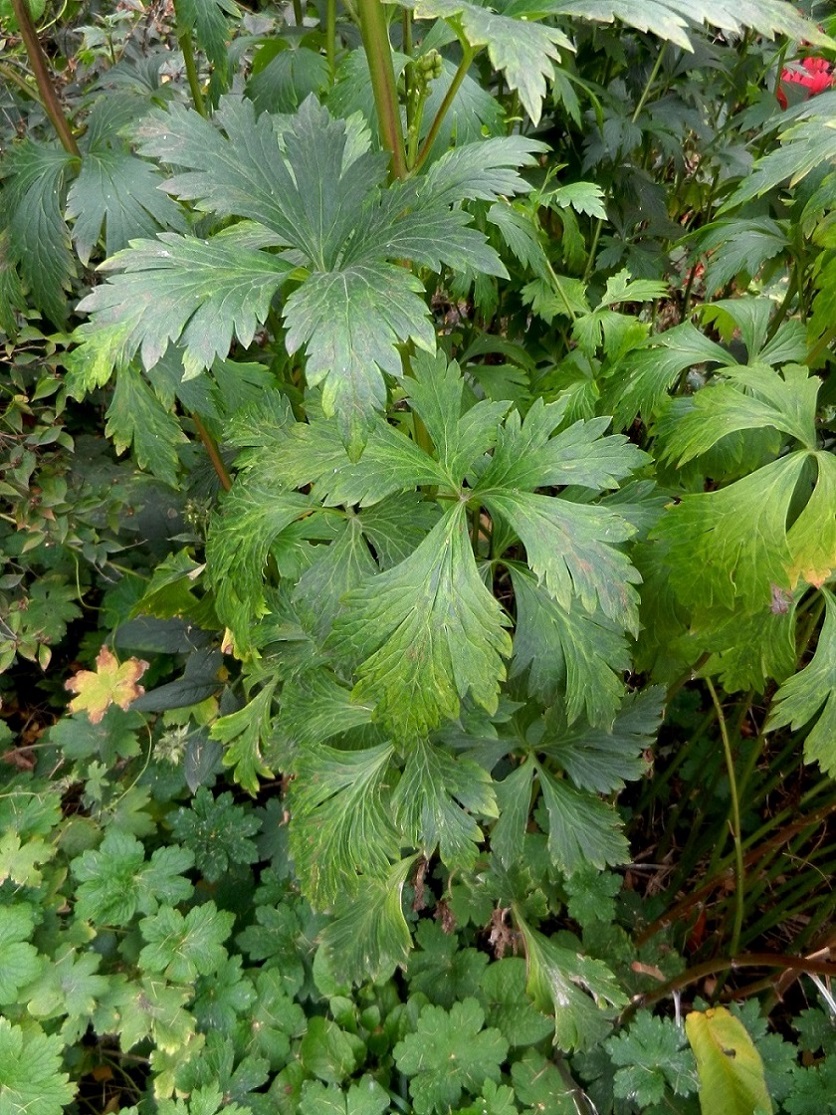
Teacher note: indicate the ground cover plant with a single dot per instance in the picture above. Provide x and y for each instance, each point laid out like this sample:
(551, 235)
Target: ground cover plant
(417, 613)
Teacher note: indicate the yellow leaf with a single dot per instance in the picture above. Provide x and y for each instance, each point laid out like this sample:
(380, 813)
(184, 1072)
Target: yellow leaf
(110, 684)
(730, 1068)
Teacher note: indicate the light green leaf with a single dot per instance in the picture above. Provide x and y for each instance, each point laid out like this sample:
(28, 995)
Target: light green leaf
(195, 293)
(786, 402)
(448, 1054)
(31, 1080)
(571, 548)
(582, 828)
(336, 569)
(513, 796)
(572, 652)
(398, 525)
(115, 881)
(558, 982)
(435, 800)
(729, 547)
(522, 50)
(184, 947)
(429, 633)
(521, 235)
(642, 383)
(252, 516)
(369, 936)
(120, 193)
(19, 960)
(339, 803)
(730, 1068)
(366, 1097)
(70, 986)
(670, 19)
(486, 170)
(528, 456)
(803, 695)
(136, 418)
(244, 732)
(316, 708)
(459, 439)
(583, 197)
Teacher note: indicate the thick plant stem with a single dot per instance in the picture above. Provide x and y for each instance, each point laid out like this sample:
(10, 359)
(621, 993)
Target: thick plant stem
(186, 44)
(37, 60)
(8, 74)
(214, 453)
(379, 56)
(740, 875)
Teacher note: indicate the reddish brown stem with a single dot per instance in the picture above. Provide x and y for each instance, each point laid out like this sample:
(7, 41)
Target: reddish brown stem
(38, 62)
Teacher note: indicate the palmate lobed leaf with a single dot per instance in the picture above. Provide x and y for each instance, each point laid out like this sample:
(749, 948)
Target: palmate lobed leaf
(177, 289)
(524, 51)
(670, 19)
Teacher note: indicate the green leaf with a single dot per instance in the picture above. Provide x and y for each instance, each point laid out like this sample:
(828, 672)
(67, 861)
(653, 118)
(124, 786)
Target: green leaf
(729, 1066)
(208, 18)
(670, 19)
(352, 320)
(327, 1051)
(522, 50)
(69, 985)
(428, 632)
(484, 171)
(217, 832)
(339, 802)
(813, 689)
(136, 417)
(441, 969)
(366, 1097)
(435, 800)
(538, 1083)
(115, 881)
(39, 239)
(120, 193)
(459, 439)
(729, 547)
(602, 759)
(642, 384)
(558, 982)
(582, 828)
(31, 1081)
(573, 653)
(591, 896)
(449, 1053)
(570, 546)
(291, 74)
(195, 293)
(502, 994)
(652, 1056)
(19, 960)
(252, 516)
(273, 1019)
(20, 859)
(368, 938)
(398, 525)
(786, 402)
(244, 732)
(184, 947)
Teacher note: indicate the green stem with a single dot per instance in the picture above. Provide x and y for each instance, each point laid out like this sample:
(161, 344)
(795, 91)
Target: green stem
(654, 73)
(186, 44)
(558, 286)
(821, 346)
(298, 14)
(38, 63)
(740, 876)
(378, 50)
(468, 54)
(331, 38)
(593, 247)
(9, 74)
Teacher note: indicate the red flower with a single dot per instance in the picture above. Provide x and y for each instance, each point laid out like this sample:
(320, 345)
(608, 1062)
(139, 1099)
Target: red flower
(816, 75)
